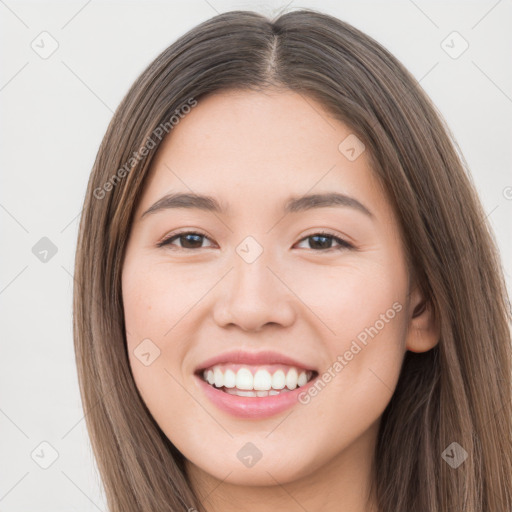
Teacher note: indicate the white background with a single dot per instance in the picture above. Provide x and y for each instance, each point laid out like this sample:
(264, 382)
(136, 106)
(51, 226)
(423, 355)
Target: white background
(54, 113)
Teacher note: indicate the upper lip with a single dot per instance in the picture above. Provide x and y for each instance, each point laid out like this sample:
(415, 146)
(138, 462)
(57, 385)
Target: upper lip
(252, 358)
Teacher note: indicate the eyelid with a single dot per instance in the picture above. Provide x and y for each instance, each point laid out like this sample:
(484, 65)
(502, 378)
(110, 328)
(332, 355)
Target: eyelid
(340, 239)
(166, 238)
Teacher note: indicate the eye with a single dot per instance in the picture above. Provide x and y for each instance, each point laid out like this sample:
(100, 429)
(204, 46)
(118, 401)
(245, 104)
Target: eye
(187, 239)
(322, 242)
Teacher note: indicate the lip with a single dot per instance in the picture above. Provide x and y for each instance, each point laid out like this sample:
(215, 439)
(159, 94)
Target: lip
(252, 358)
(252, 407)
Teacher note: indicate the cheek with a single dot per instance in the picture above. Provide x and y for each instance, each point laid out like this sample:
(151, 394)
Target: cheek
(363, 325)
(353, 296)
(148, 315)
(363, 321)
(160, 321)
(157, 297)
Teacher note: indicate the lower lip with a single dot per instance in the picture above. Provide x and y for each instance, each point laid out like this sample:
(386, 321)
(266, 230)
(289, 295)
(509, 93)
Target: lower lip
(252, 407)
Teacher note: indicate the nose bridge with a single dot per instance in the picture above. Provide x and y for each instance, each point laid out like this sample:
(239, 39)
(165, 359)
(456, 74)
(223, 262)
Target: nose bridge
(251, 273)
(252, 295)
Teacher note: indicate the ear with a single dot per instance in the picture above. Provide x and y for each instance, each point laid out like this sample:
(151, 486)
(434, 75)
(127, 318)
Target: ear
(423, 332)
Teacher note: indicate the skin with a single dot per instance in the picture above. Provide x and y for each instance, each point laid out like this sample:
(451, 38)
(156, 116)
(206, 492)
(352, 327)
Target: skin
(253, 151)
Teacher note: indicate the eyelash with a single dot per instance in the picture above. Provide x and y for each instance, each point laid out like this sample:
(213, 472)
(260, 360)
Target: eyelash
(343, 244)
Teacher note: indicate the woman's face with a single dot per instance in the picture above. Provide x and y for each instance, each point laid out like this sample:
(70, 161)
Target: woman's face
(256, 297)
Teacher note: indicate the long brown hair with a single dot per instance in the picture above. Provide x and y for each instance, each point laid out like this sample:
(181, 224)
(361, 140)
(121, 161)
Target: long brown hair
(458, 392)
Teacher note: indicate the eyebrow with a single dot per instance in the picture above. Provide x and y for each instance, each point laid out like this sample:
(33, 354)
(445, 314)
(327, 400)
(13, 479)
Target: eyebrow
(295, 204)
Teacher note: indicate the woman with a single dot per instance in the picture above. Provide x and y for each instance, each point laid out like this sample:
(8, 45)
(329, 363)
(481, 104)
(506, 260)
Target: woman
(288, 295)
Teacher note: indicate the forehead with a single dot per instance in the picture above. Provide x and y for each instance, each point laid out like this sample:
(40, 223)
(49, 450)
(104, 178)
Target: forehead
(247, 148)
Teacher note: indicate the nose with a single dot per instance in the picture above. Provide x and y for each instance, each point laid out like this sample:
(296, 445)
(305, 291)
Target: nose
(253, 295)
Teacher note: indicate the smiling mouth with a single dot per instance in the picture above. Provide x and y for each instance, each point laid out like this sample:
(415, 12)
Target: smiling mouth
(256, 381)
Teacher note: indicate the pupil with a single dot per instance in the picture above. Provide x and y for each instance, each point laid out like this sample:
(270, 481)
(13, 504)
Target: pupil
(325, 244)
(197, 238)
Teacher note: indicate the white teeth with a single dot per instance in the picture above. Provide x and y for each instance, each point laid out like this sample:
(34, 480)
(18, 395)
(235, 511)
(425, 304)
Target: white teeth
(244, 379)
(239, 392)
(278, 380)
(229, 379)
(218, 377)
(303, 378)
(291, 379)
(262, 382)
(245, 393)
